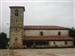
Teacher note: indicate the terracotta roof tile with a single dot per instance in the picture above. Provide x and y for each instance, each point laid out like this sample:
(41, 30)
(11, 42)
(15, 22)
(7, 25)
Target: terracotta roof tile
(44, 28)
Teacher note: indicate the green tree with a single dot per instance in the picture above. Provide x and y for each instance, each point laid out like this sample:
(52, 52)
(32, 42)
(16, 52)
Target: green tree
(3, 40)
(72, 33)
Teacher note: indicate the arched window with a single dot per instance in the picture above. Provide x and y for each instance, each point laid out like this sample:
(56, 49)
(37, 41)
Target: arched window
(16, 12)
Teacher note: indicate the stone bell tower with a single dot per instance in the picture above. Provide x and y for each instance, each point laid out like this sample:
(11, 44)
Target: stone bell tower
(16, 26)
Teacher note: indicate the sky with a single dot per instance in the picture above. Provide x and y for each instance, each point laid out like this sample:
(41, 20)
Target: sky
(39, 12)
(37, 0)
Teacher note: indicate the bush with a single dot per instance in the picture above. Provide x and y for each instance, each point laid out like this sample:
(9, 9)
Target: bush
(3, 40)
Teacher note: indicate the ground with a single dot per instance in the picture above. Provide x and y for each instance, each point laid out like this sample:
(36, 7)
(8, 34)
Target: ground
(38, 52)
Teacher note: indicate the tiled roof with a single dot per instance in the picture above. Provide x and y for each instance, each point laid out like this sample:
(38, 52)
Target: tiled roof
(44, 28)
(48, 38)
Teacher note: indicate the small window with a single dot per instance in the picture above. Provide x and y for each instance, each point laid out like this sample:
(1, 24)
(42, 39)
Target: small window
(54, 43)
(66, 42)
(16, 12)
(59, 33)
(16, 38)
(41, 33)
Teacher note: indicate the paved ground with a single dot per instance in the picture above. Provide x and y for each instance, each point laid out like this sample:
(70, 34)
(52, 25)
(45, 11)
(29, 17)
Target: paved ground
(38, 52)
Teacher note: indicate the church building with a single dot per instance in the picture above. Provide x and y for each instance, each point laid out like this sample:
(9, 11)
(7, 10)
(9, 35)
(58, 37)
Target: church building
(35, 36)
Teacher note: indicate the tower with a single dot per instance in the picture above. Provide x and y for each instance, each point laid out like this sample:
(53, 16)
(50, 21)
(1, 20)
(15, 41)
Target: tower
(16, 26)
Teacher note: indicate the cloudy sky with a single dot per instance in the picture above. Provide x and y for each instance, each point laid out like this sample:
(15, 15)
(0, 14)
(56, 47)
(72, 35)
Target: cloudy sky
(44, 12)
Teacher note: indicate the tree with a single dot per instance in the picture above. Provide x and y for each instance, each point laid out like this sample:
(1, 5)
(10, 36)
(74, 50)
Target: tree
(3, 40)
(72, 33)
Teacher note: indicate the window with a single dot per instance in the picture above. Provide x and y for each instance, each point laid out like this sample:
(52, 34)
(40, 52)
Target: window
(16, 38)
(59, 33)
(54, 43)
(41, 33)
(66, 42)
(16, 12)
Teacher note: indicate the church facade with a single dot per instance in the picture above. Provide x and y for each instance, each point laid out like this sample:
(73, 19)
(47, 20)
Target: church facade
(35, 36)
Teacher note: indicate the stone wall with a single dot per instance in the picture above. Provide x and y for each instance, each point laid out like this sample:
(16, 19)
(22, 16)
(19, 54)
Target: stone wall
(16, 39)
(16, 27)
